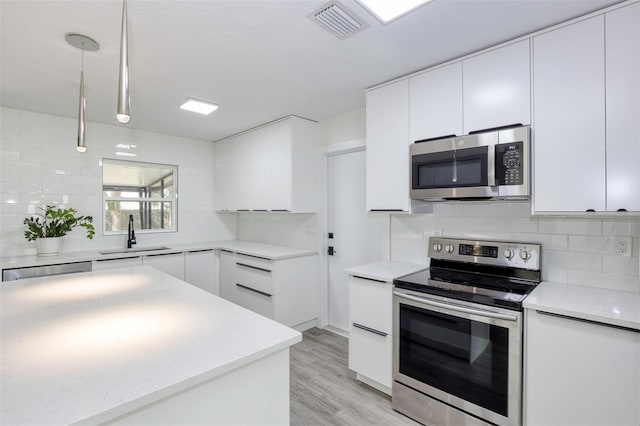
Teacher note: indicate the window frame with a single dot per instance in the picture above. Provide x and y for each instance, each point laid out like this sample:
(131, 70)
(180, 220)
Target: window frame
(148, 200)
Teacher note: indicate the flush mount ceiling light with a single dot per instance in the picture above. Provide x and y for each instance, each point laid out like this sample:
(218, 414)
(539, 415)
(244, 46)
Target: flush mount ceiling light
(201, 107)
(387, 11)
(122, 112)
(83, 43)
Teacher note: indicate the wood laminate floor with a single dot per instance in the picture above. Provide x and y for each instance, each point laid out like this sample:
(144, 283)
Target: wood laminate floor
(325, 392)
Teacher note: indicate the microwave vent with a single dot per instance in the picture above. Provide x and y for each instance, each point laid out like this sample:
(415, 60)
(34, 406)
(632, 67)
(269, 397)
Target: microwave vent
(338, 20)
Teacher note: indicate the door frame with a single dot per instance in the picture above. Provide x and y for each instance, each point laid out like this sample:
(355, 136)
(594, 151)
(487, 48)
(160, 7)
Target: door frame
(353, 145)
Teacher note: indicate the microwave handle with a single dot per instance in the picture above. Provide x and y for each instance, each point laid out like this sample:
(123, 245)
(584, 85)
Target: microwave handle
(491, 166)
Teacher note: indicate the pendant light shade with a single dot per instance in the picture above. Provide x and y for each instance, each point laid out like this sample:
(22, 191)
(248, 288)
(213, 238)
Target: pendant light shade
(122, 113)
(82, 147)
(83, 43)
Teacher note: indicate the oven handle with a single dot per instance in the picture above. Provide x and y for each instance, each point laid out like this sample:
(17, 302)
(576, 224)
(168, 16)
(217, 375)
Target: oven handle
(457, 308)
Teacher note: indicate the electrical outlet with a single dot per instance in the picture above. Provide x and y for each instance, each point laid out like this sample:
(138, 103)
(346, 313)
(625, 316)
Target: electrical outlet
(623, 247)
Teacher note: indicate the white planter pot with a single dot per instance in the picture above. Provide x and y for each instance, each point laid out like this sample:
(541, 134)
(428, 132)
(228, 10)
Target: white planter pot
(48, 246)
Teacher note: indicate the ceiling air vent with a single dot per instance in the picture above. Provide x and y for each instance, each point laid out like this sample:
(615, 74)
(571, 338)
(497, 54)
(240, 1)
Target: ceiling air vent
(338, 20)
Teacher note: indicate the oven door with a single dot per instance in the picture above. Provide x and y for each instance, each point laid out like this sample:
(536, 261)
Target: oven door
(465, 355)
(461, 167)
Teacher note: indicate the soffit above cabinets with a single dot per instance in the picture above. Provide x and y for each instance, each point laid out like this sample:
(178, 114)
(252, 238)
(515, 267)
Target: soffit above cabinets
(261, 60)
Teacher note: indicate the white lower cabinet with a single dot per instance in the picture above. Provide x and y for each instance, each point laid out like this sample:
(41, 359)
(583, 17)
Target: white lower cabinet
(370, 331)
(201, 269)
(580, 373)
(106, 264)
(285, 290)
(171, 263)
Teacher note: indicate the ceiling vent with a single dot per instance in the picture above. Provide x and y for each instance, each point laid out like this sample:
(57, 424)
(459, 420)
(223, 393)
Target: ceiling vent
(338, 20)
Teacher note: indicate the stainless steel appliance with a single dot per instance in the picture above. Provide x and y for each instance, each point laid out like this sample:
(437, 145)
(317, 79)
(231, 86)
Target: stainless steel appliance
(45, 270)
(492, 164)
(457, 333)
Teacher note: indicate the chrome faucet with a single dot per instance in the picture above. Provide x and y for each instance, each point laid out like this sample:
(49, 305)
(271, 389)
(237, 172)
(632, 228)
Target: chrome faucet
(131, 234)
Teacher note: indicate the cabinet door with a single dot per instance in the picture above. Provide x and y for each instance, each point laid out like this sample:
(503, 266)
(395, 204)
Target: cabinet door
(200, 269)
(387, 153)
(370, 303)
(172, 264)
(569, 118)
(435, 103)
(226, 182)
(370, 355)
(579, 373)
(227, 276)
(623, 108)
(497, 88)
(267, 169)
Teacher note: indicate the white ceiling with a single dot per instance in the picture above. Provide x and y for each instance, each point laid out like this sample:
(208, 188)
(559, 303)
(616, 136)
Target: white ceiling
(259, 60)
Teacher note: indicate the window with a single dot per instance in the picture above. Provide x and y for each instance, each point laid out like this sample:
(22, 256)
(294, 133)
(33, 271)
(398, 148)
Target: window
(146, 191)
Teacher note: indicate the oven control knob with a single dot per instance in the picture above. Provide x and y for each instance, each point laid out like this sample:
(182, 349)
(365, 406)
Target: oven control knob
(508, 253)
(437, 247)
(449, 248)
(524, 255)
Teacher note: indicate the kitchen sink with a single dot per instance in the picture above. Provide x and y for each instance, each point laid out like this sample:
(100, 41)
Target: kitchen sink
(133, 250)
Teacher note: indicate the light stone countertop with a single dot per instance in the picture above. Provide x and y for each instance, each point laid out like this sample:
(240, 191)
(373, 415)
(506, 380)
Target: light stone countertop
(92, 346)
(385, 270)
(267, 251)
(619, 308)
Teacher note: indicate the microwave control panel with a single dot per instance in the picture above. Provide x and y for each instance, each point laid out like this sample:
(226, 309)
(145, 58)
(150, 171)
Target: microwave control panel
(509, 164)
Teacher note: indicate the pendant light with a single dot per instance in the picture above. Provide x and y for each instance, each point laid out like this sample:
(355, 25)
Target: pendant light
(83, 43)
(122, 113)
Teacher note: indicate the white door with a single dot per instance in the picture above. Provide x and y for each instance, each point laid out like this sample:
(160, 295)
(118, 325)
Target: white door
(358, 237)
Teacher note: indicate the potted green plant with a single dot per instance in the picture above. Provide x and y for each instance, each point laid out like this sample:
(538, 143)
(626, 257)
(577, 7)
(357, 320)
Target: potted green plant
(48, 228)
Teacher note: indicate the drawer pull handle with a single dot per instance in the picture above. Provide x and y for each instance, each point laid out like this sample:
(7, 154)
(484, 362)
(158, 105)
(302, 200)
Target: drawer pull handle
(253, 267)
(567, 317)
(370, 330)
(369, 279)
(253, 290)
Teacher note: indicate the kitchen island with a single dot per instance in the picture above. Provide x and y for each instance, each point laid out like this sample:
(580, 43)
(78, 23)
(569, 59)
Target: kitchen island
(137, 346)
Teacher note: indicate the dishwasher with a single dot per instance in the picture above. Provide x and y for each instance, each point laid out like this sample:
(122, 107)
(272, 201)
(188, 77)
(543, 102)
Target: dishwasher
(45, 270)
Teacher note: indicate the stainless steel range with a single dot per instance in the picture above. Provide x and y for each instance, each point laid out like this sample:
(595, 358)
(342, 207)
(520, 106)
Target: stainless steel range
(457, 336)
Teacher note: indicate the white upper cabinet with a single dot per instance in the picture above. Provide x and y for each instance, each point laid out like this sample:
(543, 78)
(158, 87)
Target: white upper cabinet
(435, 103)
(268, 168)
(623, 108)
(497, 88)
(387, 154)
(569, 118)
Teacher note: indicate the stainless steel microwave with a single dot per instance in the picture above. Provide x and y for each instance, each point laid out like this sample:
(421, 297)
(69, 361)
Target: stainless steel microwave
(493, 164)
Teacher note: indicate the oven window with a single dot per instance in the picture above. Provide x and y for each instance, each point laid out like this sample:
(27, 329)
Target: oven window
(462, 168)
(468, 359)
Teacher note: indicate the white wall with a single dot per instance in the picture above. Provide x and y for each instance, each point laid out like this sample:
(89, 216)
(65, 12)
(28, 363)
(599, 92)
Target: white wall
(578, 251)
(39, 164)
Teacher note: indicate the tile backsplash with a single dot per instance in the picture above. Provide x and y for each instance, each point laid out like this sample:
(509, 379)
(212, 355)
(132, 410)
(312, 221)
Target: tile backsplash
(283, 229)
(574, 250)
(39, 164)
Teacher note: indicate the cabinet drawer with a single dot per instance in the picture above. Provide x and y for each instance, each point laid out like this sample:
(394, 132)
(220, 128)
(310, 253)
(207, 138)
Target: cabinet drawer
(255, 300)
(257, 275)
(370, 303)
(370, 355)
(106, 264)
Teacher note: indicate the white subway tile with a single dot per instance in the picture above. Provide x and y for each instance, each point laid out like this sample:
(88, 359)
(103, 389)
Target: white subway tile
(554, 274)
(590, 244)
(605, 280)
(620, 265)
(570, 226)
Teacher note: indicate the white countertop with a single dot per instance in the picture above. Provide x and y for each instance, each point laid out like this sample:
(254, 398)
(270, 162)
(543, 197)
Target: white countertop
(92, 346)
(267, 251)
(613, 307)
(385, 270)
